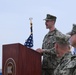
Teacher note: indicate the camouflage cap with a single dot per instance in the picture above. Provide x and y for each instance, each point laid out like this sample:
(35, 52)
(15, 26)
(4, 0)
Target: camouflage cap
(73, 30)
(50, 17)
(62, 39)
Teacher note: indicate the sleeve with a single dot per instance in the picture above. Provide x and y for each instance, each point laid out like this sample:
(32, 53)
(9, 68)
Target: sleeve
(50, 51)
(74, 73)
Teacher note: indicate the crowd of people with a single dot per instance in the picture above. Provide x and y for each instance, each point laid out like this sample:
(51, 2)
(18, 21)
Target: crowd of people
(58, 58)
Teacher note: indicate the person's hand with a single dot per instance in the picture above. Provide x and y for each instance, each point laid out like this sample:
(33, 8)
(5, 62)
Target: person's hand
(39, 50)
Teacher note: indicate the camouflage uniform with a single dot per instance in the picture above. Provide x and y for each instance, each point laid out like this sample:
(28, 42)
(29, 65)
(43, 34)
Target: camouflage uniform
(49, 56)
(67, 65)
(73, 32)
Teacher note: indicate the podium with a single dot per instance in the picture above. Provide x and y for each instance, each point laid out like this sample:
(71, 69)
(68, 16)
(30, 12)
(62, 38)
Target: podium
(20, 60)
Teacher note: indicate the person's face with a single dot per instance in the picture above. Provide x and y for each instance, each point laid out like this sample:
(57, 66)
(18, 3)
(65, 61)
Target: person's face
(73, 40)
(58, 50)
(49, 23)
(61, 49)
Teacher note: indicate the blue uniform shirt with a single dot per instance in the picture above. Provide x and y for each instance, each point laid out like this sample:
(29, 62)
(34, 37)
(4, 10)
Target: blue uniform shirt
(74, 51)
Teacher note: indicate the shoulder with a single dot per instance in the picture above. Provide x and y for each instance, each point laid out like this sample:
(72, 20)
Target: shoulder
(68, 66)
(74, 73)
(59, 33)
(72, 63)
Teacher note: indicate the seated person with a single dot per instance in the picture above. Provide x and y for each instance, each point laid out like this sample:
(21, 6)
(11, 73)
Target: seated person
(73, 38)
(67, 62)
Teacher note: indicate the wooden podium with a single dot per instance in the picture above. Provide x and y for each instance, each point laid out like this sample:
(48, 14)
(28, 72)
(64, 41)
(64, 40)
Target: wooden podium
(20, 60)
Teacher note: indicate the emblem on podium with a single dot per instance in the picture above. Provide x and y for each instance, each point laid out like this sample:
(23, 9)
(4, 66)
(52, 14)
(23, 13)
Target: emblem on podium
(10, 67)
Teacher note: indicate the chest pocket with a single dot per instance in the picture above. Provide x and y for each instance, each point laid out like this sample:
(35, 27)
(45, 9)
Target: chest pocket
(49, 42)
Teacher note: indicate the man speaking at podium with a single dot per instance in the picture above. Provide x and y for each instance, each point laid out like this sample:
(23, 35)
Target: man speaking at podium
(48, 51)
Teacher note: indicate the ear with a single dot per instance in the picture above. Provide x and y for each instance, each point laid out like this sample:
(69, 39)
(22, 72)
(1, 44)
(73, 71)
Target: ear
(56, 46)
(53, 22)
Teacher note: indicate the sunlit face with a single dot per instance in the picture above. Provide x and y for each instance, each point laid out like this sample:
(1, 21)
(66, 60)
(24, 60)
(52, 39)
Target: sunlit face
(58, 50)
(61, 49)
(73, 40)
(49, 23)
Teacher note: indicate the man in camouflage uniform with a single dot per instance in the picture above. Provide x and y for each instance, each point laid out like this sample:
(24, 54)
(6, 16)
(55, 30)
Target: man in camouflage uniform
(73, 38)
(48, 51)
(67, 63)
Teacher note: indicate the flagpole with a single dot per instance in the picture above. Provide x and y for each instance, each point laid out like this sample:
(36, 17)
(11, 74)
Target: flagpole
(29, 42)
(31, 25)
(31, 28)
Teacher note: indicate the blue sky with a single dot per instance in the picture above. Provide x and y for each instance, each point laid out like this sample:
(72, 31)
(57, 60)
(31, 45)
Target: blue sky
(15, 24)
